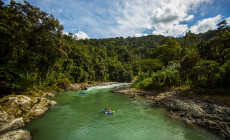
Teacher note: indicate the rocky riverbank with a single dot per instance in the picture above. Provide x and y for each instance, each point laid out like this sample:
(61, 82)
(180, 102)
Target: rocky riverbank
(211, 116)
(16, 110)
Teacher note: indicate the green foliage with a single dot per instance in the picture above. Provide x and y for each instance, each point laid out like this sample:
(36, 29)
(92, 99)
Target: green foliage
(226, 54)
(169, 51)
(164, 79)
(187, 64)
(35, 53)
(145, 83)
(150, 65)
(77, 74)
(190, 42)
(217, 48)
(226, 76)
(206, 74)
(223, 25)
(152, 53)
(63, 83)
(115, 70)
(31, 43)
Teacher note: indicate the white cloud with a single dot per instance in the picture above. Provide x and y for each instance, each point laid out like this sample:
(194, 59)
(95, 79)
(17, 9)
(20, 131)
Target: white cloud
(228, 20)
(65, 33)
(163, 17)
(138, 35)
(106, 18)
(206, 24)
(167, 18)
(174, 30)
(132, 17)
(189, 18)
(80, 35)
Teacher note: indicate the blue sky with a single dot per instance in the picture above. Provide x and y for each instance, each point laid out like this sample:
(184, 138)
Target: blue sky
(114, 18)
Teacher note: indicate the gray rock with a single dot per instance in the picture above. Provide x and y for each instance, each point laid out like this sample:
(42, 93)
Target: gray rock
(52, 103)
(179, 105)
(23, 106)
(3, 117)
(73, 87)
(37, 111)
(16, 135)
(213, 117)
(16, 105)
(12, 125)
(43, 102)
(36, 100)
(48, 94)
(215, 109)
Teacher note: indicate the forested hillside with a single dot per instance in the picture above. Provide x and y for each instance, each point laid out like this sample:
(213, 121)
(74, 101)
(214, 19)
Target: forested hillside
(35, 54)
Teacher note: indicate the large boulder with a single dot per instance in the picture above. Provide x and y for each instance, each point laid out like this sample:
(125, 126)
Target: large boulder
(34, 112)
(73, 87)
(52, 103)
(16, 105)
(12, 125)
(3, 117)
(44, 102)
(24, 102)
(16, 135)
(36, 100)
(38, 109)
(48, 94)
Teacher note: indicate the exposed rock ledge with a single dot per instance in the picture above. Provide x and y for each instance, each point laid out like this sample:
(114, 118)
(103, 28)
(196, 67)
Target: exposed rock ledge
(12, 125)
(208, 115)
(15, 110)
(16, 135)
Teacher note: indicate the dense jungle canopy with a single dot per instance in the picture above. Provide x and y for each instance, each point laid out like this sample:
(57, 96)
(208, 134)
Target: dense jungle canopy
(35, 53)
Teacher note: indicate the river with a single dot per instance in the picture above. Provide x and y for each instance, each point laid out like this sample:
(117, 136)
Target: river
(80, 117)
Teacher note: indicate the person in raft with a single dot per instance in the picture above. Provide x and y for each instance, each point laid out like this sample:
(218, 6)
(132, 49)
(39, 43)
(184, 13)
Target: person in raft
(106, 109)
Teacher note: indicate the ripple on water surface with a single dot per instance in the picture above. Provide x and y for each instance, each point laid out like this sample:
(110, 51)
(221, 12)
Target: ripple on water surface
(80, 117)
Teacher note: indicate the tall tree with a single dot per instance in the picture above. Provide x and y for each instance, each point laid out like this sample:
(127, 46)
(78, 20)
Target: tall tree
(31, 43)
(170, 51)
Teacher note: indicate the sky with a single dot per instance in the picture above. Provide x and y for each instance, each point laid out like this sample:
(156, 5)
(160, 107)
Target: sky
(123, 18)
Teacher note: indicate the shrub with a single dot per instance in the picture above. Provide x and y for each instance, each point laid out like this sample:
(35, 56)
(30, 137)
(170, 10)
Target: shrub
(226, 77)
(167, 78)
(62, 83)
(206, 74)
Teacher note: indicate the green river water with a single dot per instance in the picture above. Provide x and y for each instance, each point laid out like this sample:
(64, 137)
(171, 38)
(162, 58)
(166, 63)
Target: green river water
(80, 117)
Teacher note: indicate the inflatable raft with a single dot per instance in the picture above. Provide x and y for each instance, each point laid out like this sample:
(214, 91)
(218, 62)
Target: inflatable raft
(107, 112)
